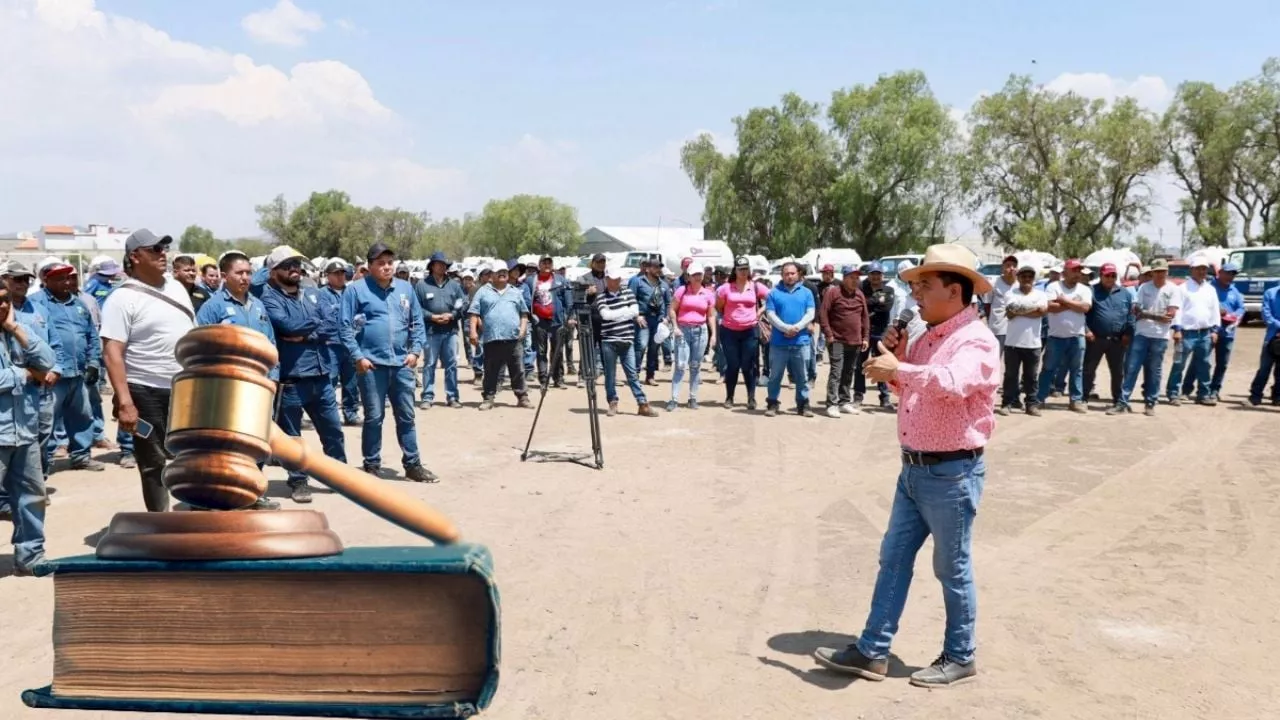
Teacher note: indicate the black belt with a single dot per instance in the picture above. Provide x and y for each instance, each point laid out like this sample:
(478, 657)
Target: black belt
(911, 457)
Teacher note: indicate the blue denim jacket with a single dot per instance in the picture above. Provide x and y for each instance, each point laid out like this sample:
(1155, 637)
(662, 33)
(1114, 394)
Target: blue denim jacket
(1110, 313)
(223, 309)
(73, 324)
(331, 305)
(35, 319)
(19, 398)
(561, 297)
(383, 326)
(437, 299)
(645, 291)
(99, 288)
(299, 316)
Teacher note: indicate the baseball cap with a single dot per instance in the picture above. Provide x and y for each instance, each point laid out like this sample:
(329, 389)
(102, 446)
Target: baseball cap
(1072, 264)
(546, 257)
(377, 250)
(874, 267)
(402, 267)
(282, 254)
(613, 273)
(1108, 268)
(13, 268)
(695, 270)
(1159, 264)
(742, 262)
(233, 253)
(597, 257)
(144, 238)
(335, 265)
(1007, 258)
(1027, 267)
(109, 267)
(499, 268)
(828, 268)
(1201, 261)
(1231, 268)
(850, 270)
(467, 274)
(57, 268)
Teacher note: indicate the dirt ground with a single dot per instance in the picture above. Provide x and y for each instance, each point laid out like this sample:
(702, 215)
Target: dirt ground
(1126, 566)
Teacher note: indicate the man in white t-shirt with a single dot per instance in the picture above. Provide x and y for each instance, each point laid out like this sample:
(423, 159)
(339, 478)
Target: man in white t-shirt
(1069, 300)
(995, 300)
(1024, 306)
(1156, 308)
(141, 323)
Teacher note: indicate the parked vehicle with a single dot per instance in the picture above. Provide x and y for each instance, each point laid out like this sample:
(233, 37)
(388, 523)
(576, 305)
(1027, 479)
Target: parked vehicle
(890, 264)
(1259, 271)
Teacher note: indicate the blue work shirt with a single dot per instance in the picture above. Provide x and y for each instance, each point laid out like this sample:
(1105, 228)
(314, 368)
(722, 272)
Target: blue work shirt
(1271, 311)
(99, 287)
(654, 299)
(331, 305)
(500, 312)
(19, 397)
(299, 317)
(222, 308)
(561, 297)
(35, 319)
(382, 325)
(77, 335)
(440, 298)
(1111, 312)
(1230, 301)
(258, 281)
(790, 305)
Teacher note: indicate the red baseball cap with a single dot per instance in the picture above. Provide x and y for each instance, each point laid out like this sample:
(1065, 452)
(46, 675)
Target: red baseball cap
(1073, 264)
(828, 268)
(1108, 268)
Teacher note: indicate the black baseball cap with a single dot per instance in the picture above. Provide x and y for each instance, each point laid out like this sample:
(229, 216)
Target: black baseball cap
(378, 250)
(742, 262)
(598, 257)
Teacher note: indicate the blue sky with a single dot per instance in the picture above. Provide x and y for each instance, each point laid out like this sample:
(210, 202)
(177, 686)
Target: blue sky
(467, 101)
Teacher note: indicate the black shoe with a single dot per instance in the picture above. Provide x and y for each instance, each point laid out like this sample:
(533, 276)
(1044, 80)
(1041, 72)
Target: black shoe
(375, 470)
(88, 464)
(417, 473)
(263, 503)
(851, 662)
(300, 493)
(751, 404)
(351, 421)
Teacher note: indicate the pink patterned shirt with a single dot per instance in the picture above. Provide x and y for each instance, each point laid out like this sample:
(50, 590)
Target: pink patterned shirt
(948, 386)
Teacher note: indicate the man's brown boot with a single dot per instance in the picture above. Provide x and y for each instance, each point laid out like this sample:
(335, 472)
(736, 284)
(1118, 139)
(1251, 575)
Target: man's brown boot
(646, 411)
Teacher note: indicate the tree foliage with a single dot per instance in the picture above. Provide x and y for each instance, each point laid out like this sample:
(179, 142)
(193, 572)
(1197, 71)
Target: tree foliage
(198, 240)
(527, 224)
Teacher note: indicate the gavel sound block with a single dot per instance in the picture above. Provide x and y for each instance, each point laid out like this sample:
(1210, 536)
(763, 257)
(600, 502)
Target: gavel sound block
(219, 610)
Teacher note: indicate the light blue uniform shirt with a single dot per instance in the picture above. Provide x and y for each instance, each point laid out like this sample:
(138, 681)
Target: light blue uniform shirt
(19, 398)
(500, 312)
(222, 308)
(77, 333)
(383, 326)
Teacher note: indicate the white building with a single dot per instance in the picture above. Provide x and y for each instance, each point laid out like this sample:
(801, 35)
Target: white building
(98, 237)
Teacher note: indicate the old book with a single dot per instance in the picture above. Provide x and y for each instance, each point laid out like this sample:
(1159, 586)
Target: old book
(373, 632)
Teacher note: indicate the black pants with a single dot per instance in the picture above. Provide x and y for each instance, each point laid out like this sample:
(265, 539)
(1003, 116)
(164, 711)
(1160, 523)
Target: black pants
(1021, 364)
(844, 361)
(549, 344)
(153, 407)
(1113, 349)
(860, 380)
(500, 354)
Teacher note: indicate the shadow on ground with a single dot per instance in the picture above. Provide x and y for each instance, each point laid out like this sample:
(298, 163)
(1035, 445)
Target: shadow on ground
(806, 642)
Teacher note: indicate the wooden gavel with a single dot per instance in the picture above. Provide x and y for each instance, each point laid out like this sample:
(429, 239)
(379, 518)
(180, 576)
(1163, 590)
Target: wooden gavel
(220, 428)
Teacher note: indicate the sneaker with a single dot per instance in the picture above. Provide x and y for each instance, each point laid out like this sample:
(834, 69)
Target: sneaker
(1033, 410)
(851, 408)
(1175, 401)
(424, 405)
(851, 662)
(1078, 407)
(751, 405)
(693, 404)
(263, 503)
(455, 403)
(650, 382)
(486, 404)
(374, 470)
(771, 411)
(300, 493)
(1003, 410)
(128, 461)
(646, 411)
(418, 473)
(944, 673)
(88, 464)
(613, 409)
(833, 411)
(1117, 409)
(727, 404)
(672, 405)
(886, 403)
(1209, 401)
(1150, 411)
(524, 402)
(804, 411)
(559, 385)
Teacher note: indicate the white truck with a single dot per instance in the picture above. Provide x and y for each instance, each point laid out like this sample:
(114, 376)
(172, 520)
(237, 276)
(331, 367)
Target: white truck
(671, 253)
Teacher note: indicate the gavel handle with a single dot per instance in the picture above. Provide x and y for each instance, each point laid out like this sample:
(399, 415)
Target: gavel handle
(378, 498)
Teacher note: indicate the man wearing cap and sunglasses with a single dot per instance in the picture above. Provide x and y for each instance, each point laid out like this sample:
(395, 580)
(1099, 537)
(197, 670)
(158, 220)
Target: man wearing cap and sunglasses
(342, 371)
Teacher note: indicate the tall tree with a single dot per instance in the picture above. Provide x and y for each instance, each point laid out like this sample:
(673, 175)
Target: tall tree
(528, 224)
(198, 240)
(1202, 140)
(894, 189)
(273, 218)
(1056, 172)
(327, 224)
(1255, 176)
(450, 236)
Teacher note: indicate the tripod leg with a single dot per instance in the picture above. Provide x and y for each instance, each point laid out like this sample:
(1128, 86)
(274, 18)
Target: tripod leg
(555, 343)
(587, 349)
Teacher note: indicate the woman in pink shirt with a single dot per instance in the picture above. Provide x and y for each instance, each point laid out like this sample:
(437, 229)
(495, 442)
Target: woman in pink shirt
(740, 303)
(693, 322)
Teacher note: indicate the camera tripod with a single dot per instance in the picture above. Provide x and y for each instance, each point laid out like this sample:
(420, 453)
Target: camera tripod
(587, 360)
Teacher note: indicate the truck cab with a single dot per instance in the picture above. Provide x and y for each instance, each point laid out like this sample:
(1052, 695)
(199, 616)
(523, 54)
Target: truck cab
(1259, 271)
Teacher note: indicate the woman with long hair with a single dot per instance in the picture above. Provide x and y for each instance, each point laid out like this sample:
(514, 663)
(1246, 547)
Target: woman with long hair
(693, 323)
(740, 303)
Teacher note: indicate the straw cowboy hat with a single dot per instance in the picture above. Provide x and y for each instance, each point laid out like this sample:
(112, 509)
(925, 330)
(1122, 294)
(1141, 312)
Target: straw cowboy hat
(950, 257)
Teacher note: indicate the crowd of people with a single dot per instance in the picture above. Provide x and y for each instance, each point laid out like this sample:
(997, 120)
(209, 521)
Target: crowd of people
(353, 339)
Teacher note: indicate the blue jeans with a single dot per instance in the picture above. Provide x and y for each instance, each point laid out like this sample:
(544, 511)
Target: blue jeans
(383, 382)
(99, 420)
(689, 350)
(1194, 351)
(71, 406)
(530, 355)
(611, 352)
(22, 480)
(1145, 354)
(45, 429)
(741, 353)
(794, 360)
(939, 500)
(1267, 368)
(315, 395)
(342, 376)
(1221, 358)
(815, 346)
(646, 350)
(441, 347)
(1063, 355)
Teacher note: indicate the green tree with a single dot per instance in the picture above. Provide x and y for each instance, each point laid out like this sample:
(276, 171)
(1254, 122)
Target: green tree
(397, 228)
(327, 224)
(1202, 141)
(453, 237)
(527, 224)
(273, 218)
(1145, 249)
(895, 184)
(198, 240)
(1057, 172)
(1255, 166)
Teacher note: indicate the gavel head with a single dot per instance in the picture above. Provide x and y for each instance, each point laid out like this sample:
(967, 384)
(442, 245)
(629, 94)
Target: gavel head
(220, 417)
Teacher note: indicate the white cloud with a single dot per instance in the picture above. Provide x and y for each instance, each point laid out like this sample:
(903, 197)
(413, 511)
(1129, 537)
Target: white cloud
(285, 24)
(349, 27)
(1152, 92)
(122, 123)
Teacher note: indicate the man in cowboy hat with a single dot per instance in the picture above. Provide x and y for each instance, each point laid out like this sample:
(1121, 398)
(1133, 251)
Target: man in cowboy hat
(947, 381)
(443, 302)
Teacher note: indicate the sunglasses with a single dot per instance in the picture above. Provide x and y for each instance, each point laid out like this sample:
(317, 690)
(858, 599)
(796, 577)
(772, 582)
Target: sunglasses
(290, 265)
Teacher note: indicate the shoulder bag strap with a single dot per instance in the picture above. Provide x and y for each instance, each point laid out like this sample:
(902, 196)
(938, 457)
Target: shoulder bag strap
(146, 290)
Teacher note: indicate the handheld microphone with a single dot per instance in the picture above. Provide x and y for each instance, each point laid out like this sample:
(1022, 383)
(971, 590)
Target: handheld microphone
(904, 319)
